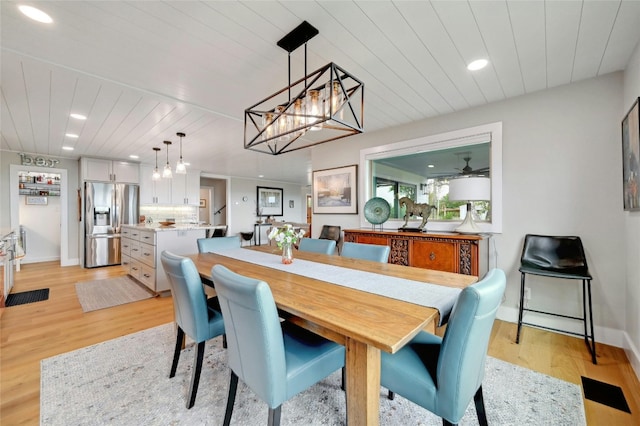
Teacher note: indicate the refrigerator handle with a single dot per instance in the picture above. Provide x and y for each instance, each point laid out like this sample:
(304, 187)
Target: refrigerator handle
(88, 207)
(117, 205)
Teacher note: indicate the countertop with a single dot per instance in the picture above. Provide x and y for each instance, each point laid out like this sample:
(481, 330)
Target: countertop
(179, 227)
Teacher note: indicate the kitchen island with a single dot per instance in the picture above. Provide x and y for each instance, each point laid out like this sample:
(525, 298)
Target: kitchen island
(142, 246)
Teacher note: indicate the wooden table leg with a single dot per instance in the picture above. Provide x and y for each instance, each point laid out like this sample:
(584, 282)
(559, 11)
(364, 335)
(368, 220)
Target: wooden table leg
(363, 383)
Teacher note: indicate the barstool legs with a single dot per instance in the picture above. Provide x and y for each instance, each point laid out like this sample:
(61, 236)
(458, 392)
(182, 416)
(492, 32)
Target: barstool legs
(520, 308)
(592, 345)
(589, 335)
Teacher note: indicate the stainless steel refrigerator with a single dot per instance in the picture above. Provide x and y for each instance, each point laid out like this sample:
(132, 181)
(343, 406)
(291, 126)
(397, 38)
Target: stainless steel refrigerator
(107, 206)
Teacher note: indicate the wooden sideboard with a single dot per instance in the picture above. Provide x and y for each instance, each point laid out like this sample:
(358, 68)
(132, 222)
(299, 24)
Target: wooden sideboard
(463, 254)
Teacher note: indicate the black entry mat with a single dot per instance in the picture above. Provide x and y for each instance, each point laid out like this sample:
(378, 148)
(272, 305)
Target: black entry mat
(604, 393)
(25, 297)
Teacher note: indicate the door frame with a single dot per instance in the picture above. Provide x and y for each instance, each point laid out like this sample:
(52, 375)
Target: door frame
(14, 196)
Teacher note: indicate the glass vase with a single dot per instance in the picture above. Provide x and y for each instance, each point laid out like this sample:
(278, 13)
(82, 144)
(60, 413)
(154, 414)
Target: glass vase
(287, 254)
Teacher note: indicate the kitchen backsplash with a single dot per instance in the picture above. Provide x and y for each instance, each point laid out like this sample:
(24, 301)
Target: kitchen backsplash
(181, 213)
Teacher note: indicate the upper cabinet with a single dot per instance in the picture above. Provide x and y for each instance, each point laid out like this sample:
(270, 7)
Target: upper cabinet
(99, 169)
(185, 189)
(153, 191)
(180, 189)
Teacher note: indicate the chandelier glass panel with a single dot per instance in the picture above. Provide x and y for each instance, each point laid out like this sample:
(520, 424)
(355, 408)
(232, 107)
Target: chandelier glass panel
(325, 105)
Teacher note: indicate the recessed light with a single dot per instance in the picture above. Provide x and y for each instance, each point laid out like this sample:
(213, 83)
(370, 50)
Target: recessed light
(431, 166)
(478, 64)
(67, 148)
(260, 176)
(35, 14)
(134, 156)
(71, 135)
(78, 116)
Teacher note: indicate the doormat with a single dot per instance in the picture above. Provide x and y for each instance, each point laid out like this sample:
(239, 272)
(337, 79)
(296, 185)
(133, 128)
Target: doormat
(604, 393)
(25, 297)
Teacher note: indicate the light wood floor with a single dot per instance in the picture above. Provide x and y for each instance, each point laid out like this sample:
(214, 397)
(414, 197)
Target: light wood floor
(40, 330)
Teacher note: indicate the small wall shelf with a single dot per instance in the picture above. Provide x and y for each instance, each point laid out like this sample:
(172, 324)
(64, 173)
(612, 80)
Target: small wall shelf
(36, 183)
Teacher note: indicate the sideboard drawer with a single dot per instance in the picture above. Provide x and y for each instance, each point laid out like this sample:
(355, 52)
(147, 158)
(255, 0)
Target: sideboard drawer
(434, 255)
(373, 239)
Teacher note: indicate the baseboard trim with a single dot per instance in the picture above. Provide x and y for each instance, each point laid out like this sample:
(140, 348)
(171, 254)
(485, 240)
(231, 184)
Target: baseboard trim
(632, 354)
(606, 335)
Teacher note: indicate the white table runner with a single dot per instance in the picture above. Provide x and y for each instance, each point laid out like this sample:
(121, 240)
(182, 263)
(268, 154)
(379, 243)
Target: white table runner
(425, 294)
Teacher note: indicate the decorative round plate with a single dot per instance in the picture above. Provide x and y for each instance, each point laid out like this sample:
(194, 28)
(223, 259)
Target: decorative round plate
(377, 210)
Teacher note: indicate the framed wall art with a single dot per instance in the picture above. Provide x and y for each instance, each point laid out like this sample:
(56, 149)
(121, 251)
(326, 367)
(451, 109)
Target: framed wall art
(269, 201)
(630, 157)
(335, 190)
(36, 201)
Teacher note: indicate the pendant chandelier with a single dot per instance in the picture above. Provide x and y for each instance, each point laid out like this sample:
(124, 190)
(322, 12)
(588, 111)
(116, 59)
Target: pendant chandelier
(166, 172)
(322, 106)
(181, 167)
(156, 172)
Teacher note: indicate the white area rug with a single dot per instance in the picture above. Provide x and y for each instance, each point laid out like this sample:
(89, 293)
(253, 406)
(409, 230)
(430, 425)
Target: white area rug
(125, 381)
(100, 294)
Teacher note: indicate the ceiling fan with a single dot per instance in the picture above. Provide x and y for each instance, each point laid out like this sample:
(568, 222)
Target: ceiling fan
(468, 170)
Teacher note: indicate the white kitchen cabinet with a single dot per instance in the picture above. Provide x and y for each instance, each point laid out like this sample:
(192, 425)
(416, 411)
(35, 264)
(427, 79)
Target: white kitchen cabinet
(154, 191)
(145, 246)
(99, 169)
(185, 189)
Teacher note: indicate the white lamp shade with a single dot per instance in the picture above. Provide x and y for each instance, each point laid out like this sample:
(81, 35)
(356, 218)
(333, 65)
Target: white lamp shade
(470, 189)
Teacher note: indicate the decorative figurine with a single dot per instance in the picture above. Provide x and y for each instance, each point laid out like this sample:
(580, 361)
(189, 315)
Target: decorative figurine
(415, 209)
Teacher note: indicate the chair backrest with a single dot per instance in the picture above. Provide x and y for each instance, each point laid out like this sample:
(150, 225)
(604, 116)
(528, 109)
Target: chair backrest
(189, 298)
(206, 245)
(461, 362)
(553, 253)
(219, 232)
(316, 245)
(373, 252)
(255, 345)
(331, 232)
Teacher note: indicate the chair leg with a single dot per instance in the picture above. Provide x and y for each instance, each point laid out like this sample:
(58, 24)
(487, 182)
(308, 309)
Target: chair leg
(176, 352)
(224, 340)
(344, 376)
(592, 346)
(482, 413)
(447, 423)
(195, 374)
(231, 399)
(274, 416)
(520, 308)
(391, 395)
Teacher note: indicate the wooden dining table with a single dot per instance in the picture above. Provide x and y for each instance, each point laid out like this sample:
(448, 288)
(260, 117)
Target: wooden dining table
(364, 323)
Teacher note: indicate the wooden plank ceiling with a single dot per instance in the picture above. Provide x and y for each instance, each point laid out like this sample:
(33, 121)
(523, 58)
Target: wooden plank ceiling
(142, 71)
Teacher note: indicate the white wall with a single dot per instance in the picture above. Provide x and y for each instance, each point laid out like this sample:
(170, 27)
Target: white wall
(632, 230)
(42, 235)
(242, 214)
(561, 175)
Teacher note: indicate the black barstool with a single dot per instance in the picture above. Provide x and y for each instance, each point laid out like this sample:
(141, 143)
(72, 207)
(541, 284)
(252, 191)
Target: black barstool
(557, 257)
(247, 236)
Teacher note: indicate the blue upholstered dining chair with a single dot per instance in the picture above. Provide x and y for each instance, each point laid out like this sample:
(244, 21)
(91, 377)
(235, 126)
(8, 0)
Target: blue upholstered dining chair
(206, 245)
(193, 314)
(444, 374)
(317, 246)
(373, 252)
(277, 361)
